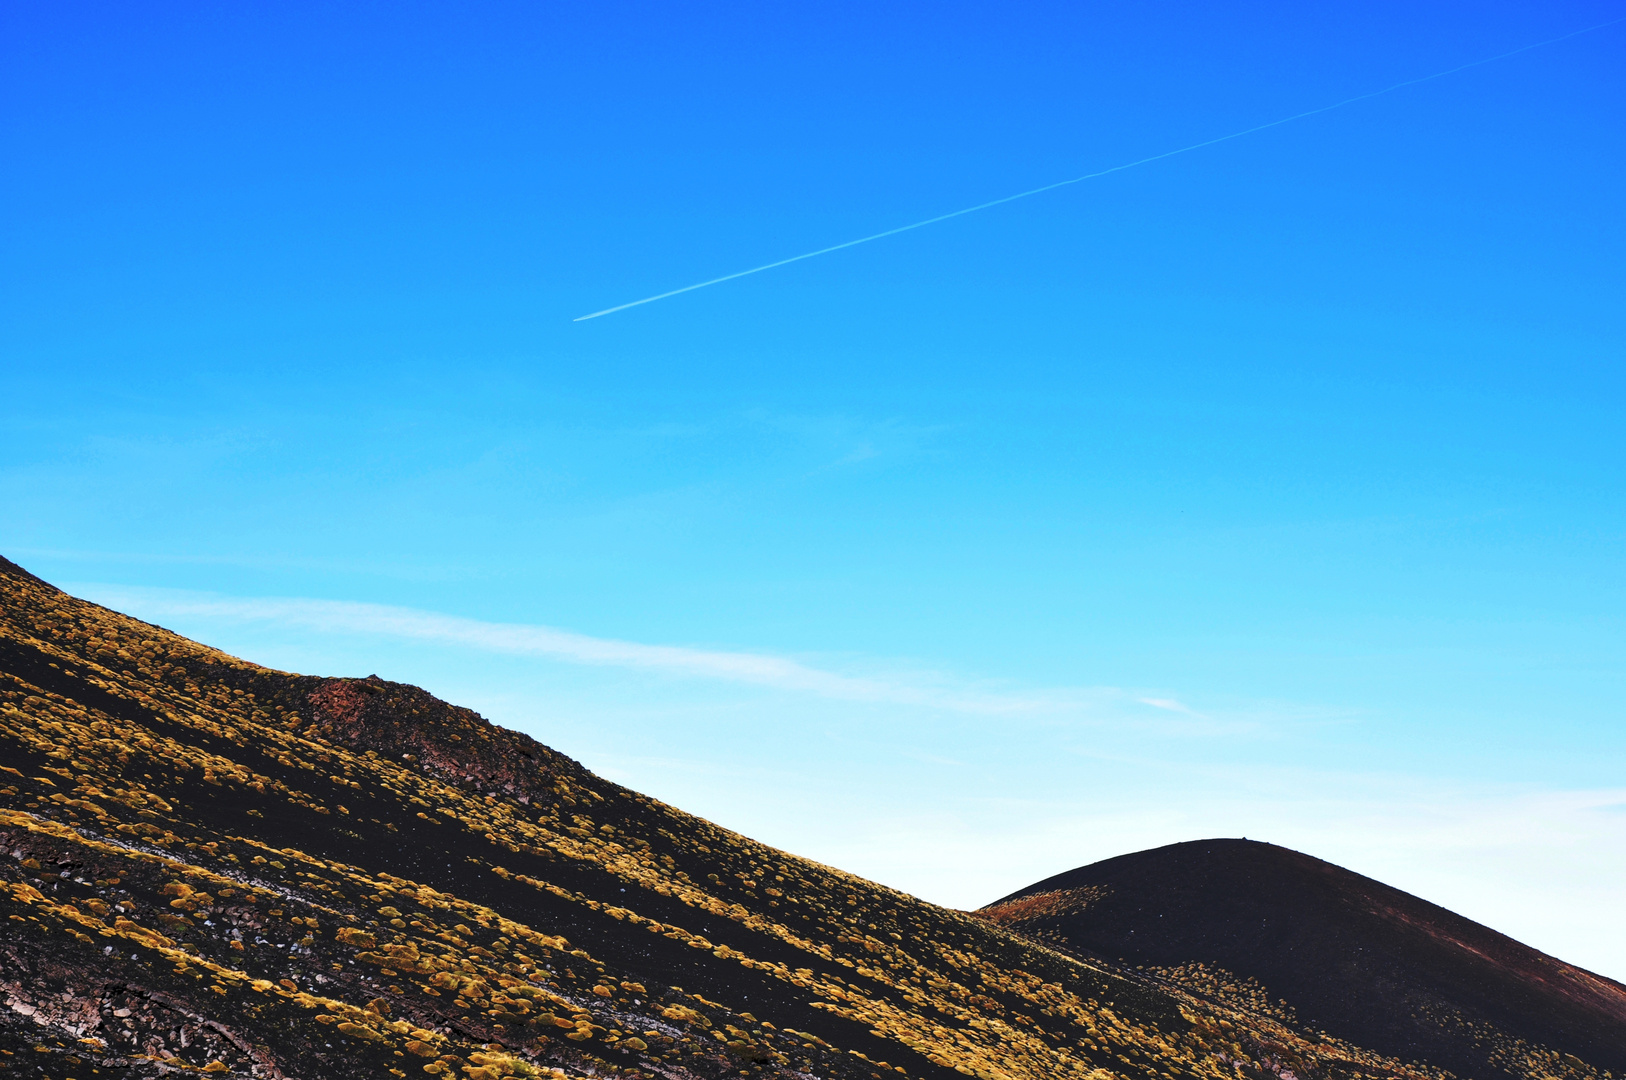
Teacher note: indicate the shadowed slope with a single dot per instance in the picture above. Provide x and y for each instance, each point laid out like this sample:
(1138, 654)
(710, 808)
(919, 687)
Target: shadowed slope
(211, 864)
(208, 865)
(1347, 954)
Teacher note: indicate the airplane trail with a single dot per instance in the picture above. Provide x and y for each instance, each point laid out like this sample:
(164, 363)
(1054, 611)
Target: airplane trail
(1107, 172)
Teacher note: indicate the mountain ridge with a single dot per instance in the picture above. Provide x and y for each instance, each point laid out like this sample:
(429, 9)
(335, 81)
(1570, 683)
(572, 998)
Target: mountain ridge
(209, 865)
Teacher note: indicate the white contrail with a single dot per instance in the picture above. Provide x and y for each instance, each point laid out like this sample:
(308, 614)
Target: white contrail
(1106, 172)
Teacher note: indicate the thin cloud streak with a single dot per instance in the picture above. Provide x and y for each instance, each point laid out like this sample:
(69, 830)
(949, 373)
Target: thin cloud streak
(1171, 705)
(335, 616)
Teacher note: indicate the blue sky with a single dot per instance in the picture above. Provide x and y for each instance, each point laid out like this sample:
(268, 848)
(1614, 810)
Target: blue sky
(1274, 489)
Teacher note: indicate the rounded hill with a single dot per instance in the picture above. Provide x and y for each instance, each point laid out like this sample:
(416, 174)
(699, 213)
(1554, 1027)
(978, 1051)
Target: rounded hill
(1348, 955)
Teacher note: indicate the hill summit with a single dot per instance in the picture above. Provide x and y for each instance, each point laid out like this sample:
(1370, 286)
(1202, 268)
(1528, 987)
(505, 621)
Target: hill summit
(1336, 951)
(208, 866)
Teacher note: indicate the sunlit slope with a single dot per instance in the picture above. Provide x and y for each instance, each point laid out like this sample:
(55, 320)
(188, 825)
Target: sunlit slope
(1281, 931)
(212, 865)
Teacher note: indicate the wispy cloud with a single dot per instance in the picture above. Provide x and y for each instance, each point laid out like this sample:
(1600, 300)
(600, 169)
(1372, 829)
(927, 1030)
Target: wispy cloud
(1098, 709)
(841, 440)
(1171, 705)
(517, 639)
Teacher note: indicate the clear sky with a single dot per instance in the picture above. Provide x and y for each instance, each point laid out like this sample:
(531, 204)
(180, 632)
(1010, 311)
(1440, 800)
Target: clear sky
(1275, 489)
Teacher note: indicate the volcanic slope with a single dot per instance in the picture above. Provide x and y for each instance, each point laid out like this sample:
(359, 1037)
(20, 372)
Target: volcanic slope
(210, 866)
(1285, 933)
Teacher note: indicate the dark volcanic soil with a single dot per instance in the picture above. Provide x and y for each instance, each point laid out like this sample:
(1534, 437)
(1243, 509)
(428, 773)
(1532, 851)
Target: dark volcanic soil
(210, 867)
(1350, 955)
